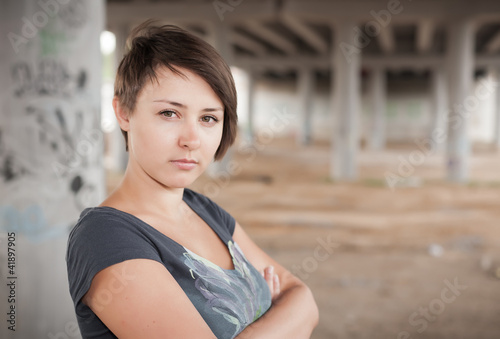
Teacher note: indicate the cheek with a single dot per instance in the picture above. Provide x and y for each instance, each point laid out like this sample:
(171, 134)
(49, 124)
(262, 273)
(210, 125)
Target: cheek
(215, 139)
(150, 141)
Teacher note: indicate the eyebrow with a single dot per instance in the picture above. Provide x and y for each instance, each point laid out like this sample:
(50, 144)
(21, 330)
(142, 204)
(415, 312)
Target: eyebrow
(178, 104)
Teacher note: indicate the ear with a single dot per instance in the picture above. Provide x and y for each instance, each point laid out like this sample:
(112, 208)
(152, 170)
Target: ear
(121, 114)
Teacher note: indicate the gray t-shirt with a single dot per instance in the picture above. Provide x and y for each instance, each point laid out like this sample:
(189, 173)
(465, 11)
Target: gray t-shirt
(228, 300)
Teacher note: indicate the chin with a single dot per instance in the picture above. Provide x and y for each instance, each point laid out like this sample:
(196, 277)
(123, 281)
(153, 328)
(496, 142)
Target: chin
(180, 182)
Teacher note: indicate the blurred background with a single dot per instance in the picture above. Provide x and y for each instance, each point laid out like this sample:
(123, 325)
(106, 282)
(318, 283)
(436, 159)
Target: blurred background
(367, 161)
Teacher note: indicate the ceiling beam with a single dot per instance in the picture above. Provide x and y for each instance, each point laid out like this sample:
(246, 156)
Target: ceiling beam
(406, 12)
(305, 33)
(270, 36)
(394, 62)
(186, 25)
(247, 43)
(425, 33)
(494, 44)
(136, 12)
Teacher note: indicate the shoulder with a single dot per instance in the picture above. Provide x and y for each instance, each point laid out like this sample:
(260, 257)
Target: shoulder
(101, 238)
(105, 235)
(98, 222)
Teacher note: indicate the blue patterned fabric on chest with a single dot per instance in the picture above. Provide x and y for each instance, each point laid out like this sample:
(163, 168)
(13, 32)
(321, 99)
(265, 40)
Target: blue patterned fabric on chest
(238, 296)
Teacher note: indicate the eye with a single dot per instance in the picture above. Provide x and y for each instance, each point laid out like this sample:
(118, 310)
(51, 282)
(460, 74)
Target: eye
(209, 119)
(168, 113)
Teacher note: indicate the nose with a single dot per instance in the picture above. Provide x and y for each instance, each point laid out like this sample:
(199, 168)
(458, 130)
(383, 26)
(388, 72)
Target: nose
(189, 137)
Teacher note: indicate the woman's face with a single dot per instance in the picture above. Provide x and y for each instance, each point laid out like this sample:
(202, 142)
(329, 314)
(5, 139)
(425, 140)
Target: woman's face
(175, 128)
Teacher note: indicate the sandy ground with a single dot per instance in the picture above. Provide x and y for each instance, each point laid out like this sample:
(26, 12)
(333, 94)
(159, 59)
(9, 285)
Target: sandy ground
(419, 260)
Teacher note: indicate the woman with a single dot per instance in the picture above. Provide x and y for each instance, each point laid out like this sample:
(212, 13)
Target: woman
(155, 259)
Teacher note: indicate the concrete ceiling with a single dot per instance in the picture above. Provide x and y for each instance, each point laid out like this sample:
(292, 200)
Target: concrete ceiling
(288, 34)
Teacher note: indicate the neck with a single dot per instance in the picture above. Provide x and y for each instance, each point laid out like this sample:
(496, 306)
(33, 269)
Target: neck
(140, 193)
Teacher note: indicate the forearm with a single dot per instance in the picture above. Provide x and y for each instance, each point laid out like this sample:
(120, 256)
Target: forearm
(293, 314)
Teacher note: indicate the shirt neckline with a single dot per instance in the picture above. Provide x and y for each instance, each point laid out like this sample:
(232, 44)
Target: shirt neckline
(233, 259)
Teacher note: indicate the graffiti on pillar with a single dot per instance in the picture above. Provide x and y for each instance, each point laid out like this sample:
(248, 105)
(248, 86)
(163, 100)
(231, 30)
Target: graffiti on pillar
(49, 77)
(75, 14)
(9, 168)
(50, 137)
(70, 148)
(65, 154)
(73, 150)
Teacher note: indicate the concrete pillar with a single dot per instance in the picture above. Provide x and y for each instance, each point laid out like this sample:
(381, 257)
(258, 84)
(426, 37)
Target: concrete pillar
(496, 133)
(219, 38)
(250, 128)
(305, 89)
(460, 76)
(117, 142)
(50, 155)
(438, 109)
(346, 97)
(378, 83)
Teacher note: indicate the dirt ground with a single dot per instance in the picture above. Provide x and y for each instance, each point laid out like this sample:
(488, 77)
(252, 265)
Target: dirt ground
(421, 260)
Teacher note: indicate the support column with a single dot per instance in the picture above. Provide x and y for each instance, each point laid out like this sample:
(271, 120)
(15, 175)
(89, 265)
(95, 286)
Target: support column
(50, 155)
(496, 133)
(220, 40)
(305, 89)
(250, 129)
(438, 110)
(117, 142)
(460, 76)
(346, 97)
(379, 103)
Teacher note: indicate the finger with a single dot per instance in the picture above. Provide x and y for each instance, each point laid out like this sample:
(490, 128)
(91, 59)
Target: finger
(276, 283)
(268, 275)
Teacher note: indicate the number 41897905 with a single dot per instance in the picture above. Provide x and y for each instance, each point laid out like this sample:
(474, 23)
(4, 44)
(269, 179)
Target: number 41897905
(11, 253)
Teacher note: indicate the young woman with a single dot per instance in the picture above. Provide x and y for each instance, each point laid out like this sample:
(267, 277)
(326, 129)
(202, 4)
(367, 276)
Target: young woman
(155, 259)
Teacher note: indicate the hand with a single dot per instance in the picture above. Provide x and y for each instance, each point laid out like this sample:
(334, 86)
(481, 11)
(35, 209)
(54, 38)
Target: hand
(273, 281)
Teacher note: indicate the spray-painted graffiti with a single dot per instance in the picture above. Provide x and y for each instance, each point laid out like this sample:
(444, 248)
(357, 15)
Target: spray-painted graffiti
(51, 140)
(48, 78)
(10, 169)
(30, 221)
(74, 14)
(63, 146)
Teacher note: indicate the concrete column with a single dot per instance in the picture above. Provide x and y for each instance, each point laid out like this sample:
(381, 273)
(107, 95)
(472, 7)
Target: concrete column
(379, 103)
(220, 40)
(460, 76)
(346, 97)
(50, 155)
(250, 128)
(305, 89)
(496, 133)
(438, 109)
(121, 33)
(117, 142)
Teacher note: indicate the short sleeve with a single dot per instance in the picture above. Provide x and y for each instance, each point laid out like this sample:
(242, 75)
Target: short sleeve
(101, 239)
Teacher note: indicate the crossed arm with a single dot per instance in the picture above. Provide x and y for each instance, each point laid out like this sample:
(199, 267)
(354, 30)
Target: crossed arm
(137, 307)
(293, 313)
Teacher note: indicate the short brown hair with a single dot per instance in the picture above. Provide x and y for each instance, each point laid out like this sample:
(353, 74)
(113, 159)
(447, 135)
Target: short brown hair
(152, 47)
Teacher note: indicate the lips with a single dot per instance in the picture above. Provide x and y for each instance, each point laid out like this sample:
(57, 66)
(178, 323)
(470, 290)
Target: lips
(185, 164)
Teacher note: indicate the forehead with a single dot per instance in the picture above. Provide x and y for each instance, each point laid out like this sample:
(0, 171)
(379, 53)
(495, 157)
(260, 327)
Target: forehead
(184, 84)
